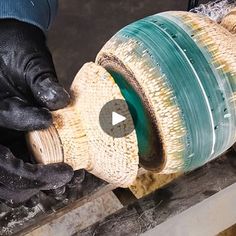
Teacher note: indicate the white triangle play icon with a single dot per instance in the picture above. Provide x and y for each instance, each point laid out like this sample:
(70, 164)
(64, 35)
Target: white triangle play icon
(117, 118)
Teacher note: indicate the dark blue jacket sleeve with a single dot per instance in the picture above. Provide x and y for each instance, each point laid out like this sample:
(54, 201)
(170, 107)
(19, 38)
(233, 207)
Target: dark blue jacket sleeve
(37, 12)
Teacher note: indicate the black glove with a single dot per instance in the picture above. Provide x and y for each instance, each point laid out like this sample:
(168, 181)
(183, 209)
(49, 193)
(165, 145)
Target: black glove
(28, 88)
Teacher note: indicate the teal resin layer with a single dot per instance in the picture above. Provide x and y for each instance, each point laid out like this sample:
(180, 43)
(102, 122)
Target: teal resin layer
(140, 118)
(201, 91)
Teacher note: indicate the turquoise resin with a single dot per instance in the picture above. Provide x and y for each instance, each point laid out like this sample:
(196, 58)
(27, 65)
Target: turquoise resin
(139, 116)
(200, 90)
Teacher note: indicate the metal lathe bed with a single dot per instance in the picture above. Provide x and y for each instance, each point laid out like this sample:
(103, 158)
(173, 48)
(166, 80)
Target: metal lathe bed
(198, 203)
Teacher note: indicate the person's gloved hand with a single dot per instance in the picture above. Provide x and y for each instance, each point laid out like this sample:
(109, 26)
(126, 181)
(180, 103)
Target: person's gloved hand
(28, 90)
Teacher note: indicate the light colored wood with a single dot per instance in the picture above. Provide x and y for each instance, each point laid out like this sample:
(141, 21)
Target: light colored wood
(229, 21)
(77, 138)
(148, 182)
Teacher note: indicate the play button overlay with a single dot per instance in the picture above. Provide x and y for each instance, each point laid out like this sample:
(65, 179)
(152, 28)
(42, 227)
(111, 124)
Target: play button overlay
(115, 119)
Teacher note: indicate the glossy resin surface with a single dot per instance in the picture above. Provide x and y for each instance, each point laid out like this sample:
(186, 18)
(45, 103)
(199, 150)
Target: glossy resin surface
(185, 67)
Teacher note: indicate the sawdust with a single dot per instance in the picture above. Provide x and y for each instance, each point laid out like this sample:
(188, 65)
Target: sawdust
(17, 220)
(149, 182)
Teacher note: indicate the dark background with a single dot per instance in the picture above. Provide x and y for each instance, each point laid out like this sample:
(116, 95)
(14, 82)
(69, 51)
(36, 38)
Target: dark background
(83, 26)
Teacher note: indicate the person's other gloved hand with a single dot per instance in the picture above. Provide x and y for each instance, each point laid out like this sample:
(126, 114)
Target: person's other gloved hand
(28, 90)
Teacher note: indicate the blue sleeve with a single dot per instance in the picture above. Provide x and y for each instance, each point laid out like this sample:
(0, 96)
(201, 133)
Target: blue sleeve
(37, 12)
